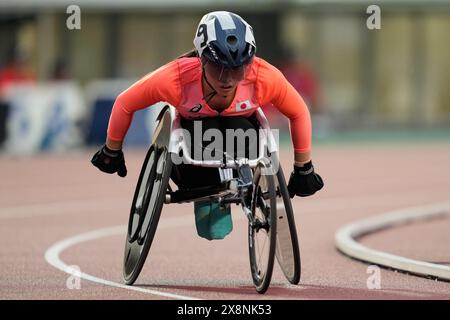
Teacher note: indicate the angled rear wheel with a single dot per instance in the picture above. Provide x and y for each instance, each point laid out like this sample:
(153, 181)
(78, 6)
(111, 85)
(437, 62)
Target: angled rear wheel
(262, 231)
(146, 209)
(287, 248)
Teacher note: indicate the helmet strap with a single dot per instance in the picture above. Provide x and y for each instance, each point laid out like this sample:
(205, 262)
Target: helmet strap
(210, 95)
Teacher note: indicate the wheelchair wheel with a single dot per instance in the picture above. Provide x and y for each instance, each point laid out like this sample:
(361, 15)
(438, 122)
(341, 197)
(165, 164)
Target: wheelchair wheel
(287, 248)
(262, 233)
(146, 209)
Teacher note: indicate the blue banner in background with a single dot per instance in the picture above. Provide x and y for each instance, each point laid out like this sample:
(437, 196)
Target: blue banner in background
(45, 117)
(60, 116)
(101, 110)
(101, 95)
(139, 133)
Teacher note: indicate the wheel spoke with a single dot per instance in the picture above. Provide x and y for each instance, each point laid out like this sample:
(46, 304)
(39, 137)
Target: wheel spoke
(262, 249)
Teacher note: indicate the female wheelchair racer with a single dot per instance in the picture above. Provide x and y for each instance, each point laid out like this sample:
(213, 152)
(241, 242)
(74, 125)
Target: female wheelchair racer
(220, 84)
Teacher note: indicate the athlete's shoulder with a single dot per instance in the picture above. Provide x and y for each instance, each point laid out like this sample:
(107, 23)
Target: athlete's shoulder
(190, 69)
(266, 69)
(268, 79)
(168, 71)
(181, 71)
(259, 61)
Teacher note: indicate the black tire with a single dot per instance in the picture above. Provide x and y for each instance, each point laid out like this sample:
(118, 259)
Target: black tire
(287, 248)
(263, 208)
(141, 194)
(141, 232)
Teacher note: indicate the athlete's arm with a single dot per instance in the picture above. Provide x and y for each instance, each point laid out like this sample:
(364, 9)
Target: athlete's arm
(162, 84)
(273, 87)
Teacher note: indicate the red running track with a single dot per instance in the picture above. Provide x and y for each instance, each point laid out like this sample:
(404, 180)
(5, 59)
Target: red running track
(48, 198)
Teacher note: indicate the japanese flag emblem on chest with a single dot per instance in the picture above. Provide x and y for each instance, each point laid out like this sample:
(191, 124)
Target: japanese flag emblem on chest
(243, 106)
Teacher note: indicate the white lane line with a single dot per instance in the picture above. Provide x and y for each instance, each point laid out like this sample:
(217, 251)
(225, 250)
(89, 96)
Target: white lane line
(345, 239)
(52, 255)
(43, 209)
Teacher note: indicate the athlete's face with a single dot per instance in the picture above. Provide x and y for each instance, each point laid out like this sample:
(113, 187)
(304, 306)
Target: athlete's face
(224, 80)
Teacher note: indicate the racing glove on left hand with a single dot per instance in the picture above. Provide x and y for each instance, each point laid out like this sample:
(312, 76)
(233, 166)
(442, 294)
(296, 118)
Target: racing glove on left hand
(304, 181)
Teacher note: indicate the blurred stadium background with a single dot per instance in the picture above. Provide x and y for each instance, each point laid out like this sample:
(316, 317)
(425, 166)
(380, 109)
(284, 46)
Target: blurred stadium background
(57, 86)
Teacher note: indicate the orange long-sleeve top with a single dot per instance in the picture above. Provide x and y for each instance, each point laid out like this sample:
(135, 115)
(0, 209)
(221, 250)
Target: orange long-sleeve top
(179, 84)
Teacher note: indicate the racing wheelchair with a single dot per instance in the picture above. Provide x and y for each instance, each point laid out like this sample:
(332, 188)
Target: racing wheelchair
(259, 188)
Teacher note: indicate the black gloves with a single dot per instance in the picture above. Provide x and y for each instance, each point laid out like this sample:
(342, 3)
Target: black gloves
(304, 181)
(110, 161)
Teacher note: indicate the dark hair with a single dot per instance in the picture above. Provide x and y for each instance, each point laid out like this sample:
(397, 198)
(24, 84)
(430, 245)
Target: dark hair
(190, 54)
